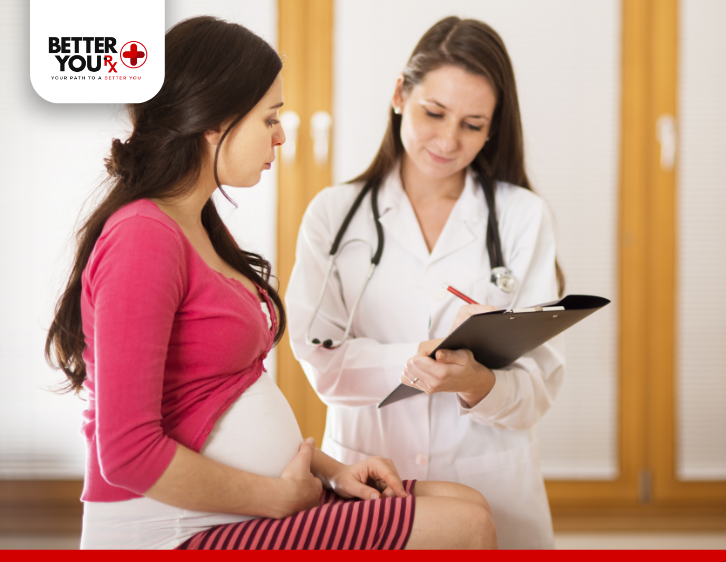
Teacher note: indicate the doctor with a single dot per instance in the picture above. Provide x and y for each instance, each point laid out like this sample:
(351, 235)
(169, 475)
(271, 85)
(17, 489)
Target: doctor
(454, 132)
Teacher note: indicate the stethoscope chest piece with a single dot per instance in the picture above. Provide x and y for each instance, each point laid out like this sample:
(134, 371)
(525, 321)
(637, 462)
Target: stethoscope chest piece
(503, 280)
(501, 276)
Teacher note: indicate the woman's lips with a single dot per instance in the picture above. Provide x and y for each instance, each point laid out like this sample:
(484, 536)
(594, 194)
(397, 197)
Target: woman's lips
(439, 159)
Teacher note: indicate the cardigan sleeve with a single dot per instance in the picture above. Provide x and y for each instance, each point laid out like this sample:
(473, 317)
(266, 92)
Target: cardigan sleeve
(136, 283)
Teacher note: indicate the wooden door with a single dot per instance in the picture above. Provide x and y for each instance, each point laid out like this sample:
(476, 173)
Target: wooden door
(305, 42)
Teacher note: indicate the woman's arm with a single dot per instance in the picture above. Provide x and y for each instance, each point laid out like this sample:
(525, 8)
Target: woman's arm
(134, 284)
(192, 481)
(368, 479)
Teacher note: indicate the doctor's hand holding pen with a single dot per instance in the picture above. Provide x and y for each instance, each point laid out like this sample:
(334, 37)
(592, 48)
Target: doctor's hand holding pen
(451, 371)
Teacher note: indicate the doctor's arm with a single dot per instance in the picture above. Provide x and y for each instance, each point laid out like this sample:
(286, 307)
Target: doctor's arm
(517, 396)
(362, 371)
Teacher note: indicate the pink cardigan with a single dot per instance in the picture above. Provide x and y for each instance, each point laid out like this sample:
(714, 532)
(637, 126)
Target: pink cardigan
(170, 345)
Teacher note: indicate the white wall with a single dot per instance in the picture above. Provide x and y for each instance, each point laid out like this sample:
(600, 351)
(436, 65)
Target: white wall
(52, 159)
(566, 56)
(700, 353)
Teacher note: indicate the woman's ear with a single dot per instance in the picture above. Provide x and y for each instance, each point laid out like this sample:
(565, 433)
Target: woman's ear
(398, 97)
(213, 136)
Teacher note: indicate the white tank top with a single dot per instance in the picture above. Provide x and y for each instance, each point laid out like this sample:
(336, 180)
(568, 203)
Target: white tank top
(257, 434)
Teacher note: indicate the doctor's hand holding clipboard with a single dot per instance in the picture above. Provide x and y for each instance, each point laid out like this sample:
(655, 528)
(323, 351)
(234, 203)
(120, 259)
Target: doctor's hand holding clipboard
(445, 200)
(451, 370)
(486, 337)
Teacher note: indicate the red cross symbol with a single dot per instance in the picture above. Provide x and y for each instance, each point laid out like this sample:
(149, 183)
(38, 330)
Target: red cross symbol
(135, 51)
(133, 54)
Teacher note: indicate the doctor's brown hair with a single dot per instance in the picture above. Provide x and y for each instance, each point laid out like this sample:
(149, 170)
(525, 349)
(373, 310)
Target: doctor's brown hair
(215, 72)
(476, 48)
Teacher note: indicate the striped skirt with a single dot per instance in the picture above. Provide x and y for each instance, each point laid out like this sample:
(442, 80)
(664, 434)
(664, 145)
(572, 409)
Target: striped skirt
(336, 524)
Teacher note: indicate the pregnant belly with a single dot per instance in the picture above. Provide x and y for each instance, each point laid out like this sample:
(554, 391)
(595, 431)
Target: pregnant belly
(258, 433)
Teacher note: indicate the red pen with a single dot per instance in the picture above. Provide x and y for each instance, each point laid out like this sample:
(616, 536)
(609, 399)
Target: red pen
(462, 296)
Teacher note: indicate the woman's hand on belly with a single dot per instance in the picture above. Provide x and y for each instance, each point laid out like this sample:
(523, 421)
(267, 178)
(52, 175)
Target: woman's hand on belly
(298, 488)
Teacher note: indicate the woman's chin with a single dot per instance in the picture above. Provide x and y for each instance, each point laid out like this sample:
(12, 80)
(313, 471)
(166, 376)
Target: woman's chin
(439, 171)
(247, 182)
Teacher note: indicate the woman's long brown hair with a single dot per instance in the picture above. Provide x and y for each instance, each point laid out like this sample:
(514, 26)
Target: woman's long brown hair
(215, 72)
(475, 47)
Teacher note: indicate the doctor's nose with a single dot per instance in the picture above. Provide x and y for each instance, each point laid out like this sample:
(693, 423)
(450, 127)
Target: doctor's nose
(448, 138)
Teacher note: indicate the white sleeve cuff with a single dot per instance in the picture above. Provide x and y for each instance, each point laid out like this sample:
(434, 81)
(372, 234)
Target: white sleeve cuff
(493, 402)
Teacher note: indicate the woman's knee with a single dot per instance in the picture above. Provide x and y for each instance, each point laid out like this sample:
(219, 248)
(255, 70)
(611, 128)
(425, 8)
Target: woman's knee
(452, 490)
(451, 523)
(475, 497)
(487, 537)
(477, 526)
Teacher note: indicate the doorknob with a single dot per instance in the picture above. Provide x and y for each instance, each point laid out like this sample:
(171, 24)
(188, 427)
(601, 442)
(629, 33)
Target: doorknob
(290, 124)
(665, 132)
(320, 124)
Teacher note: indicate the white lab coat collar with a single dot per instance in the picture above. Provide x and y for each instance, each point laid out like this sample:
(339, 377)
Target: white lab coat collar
(466, 223)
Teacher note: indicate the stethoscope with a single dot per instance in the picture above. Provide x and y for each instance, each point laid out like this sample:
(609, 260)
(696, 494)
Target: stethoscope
(501, 277)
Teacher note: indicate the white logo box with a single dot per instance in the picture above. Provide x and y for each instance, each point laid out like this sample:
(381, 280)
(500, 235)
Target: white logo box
(96, 51)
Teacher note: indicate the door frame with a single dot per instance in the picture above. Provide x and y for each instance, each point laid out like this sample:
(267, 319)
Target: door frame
(305, 41)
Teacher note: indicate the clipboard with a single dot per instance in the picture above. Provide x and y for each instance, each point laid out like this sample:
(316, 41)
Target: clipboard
(498, 338)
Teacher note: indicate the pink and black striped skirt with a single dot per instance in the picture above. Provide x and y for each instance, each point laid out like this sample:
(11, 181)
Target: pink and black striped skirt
(336, 524)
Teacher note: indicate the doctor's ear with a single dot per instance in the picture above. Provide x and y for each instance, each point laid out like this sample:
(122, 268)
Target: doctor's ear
(398, 96)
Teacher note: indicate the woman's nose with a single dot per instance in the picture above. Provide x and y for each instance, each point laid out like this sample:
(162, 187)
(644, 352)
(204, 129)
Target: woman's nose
(278, 139)
(448, 137)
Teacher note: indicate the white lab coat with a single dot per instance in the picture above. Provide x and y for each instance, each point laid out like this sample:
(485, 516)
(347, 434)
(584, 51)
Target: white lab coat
(491, 447)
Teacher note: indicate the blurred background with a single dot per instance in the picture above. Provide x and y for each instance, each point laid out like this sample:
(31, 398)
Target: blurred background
(625, 132)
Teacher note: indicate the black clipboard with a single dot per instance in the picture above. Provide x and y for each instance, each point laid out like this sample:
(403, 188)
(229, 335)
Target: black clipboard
(500, 337)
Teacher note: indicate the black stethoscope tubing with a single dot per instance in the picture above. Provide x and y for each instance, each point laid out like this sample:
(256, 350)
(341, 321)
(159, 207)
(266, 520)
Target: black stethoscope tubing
(494, 245)
(501, 276)
(370, 185)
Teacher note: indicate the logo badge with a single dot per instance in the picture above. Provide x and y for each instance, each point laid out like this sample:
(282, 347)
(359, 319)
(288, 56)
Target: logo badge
(85, 51)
